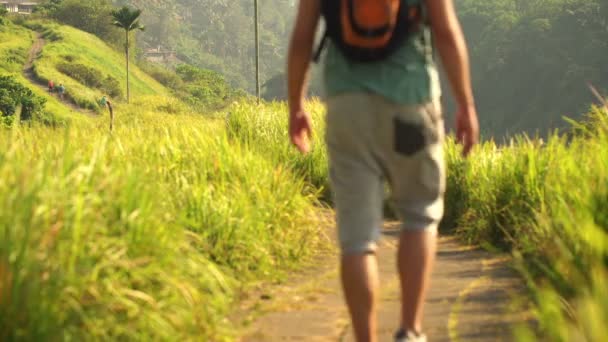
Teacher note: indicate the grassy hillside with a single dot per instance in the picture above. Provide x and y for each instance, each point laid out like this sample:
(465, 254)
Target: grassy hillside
(88, 67)
(15, 43)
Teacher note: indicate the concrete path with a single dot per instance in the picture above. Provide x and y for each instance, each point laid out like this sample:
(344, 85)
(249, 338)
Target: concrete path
(469, 299)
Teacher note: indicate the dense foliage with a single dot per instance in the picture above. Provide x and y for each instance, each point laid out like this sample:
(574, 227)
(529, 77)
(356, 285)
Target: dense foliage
(532, 60)
(91, 77)
(3, 12)
(204, 90)
(15, 97)
(93, 16)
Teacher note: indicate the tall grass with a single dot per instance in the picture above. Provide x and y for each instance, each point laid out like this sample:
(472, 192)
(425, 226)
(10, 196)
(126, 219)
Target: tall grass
(263, 128)
(14, 46)
(144, 234)
(546, 202)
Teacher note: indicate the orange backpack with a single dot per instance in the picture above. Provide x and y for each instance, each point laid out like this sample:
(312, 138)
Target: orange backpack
(369, 30)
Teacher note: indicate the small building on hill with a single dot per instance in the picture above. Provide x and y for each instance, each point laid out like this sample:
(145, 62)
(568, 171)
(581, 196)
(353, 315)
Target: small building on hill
(159, 55)
(19, 6)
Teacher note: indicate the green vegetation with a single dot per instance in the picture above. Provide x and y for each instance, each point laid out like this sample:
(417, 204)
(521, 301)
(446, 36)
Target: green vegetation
(87, 76)
(204, 90)
(532, 60)
(546, 202)
(141, 235)
(219, 35)
(91, 78)
(93, 16)
(91, 61)
(264, 129)
(204, 33)
(15, 42)
(17, 100)
(149, 233)
(3, 12)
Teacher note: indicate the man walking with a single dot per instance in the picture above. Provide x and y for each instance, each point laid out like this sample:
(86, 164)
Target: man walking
(61, 90)
(384, 123)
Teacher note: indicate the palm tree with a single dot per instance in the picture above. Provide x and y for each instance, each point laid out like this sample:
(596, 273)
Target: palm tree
(128, 20)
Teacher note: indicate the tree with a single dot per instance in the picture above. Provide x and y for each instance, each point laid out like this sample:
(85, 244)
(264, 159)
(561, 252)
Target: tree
(128, 20)
(93, 16)
(218, 34)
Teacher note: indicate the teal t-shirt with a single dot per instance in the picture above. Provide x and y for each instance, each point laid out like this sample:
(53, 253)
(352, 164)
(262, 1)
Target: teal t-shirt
(409, 76)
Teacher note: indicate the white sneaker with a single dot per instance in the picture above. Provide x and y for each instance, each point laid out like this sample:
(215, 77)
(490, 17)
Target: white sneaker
(409, 336)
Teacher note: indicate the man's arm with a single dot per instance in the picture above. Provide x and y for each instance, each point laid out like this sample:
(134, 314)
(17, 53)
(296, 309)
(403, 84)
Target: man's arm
(452, 48)
(300, 54)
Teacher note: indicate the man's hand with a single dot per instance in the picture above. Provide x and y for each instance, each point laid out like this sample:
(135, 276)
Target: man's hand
(298, 60)
(467, 128)
(300, 130)
(452, 48)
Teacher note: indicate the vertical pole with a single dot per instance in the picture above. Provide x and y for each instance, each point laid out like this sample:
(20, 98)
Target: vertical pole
(109, 104)
(257, 51)
(127, 54)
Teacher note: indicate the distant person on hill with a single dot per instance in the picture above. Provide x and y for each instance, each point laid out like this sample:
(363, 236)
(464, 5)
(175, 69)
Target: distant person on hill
(105, 102)
(51, 86)
(61, 90)
(384, 122)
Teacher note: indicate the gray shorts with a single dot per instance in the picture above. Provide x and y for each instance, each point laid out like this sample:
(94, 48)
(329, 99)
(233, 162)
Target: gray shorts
(371, 140)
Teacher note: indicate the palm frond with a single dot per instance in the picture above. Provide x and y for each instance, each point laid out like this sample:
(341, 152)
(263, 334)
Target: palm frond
(127, 19)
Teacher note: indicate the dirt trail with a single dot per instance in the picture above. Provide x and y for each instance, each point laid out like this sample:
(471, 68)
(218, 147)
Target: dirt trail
(469, 299)
(28, 72)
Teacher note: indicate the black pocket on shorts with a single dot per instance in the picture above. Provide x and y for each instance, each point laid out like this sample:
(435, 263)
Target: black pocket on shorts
(409, 137)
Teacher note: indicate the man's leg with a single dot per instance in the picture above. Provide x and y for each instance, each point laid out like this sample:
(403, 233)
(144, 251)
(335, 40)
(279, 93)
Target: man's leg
(416, 167)
(357, 185)
(360, 282)
(416, 257)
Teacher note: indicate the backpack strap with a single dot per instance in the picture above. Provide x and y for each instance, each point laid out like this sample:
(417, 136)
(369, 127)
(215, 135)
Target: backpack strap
(317, 56)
